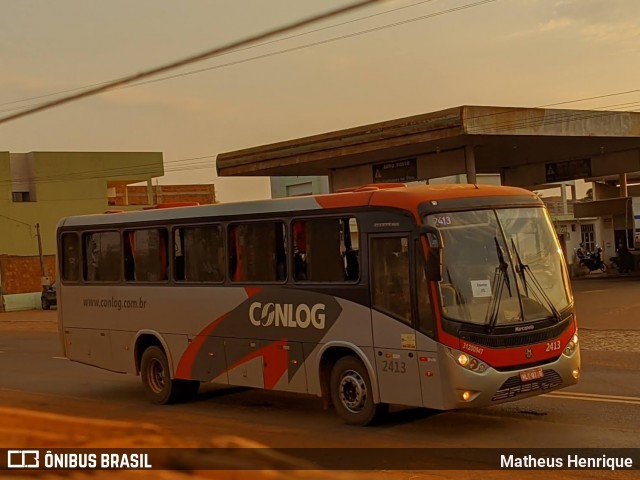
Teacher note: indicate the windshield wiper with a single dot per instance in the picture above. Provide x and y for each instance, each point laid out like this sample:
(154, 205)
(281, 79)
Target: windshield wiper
(500, 279)
(522, 270)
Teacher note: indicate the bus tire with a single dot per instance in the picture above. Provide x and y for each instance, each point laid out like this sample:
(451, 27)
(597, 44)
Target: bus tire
(156, 378)
(352, 394)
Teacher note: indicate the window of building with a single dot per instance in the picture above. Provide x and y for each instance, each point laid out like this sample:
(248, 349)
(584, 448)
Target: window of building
(300, 189)
(199, 254)
(588, 236)
(257, 252)
(390, 276)
(70, 257)
(102, 257)
(145, 255)
(20, 197)
(326, 250)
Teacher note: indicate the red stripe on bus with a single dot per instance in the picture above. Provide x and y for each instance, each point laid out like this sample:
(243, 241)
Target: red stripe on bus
(188, 358)
(344, 200)
(251, 291)
(509, 357)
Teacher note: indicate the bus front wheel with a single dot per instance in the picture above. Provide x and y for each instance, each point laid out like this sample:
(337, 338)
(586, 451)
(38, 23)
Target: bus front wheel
(352, 394)
(157, 382)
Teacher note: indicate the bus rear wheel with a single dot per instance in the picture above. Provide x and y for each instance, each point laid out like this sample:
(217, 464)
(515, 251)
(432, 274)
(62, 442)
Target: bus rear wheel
(156, 379)
(352, 394)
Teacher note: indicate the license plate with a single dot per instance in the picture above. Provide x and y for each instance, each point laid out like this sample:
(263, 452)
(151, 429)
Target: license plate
(533, 374)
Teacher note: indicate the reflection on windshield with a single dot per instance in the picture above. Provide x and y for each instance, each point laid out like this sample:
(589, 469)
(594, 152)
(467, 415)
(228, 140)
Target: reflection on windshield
(531, 233)
(482, 282)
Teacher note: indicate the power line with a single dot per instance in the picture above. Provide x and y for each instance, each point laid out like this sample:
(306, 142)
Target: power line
(202, 162)
(590, 98)
(136, 83)
(17, 221)
(190, 164)
(262, 44)
(320, 42)
(189, 60)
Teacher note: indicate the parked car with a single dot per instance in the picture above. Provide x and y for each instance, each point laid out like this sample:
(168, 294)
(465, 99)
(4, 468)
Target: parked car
(49, 298)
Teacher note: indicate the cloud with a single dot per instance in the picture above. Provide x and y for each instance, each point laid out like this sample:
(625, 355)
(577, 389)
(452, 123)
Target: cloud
(618, 33)
(610, 22)
(554, 24)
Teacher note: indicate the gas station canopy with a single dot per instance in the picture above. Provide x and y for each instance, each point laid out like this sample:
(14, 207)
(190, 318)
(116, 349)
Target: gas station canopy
(529, 147)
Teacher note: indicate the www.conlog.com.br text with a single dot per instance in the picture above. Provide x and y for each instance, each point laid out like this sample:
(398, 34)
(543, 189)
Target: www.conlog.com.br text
(115, 303)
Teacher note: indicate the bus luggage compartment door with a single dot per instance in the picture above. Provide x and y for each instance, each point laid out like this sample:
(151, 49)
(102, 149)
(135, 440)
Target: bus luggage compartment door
(90, 346)
(245, 362)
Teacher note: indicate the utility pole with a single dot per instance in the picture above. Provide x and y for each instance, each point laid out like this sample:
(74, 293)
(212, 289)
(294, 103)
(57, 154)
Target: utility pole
(1, 298)
(43, 268)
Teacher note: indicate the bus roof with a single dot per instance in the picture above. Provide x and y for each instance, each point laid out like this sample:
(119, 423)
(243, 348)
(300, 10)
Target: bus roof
(393, 196)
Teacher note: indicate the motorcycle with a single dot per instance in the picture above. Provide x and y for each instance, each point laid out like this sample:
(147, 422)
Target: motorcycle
(623, 261)
(592, 260)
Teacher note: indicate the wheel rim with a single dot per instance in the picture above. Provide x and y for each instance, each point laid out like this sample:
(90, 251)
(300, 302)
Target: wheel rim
(353, 391)
(156, 376)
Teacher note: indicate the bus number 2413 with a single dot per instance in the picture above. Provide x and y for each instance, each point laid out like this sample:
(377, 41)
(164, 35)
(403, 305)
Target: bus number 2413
(394, 366)
(552, 346)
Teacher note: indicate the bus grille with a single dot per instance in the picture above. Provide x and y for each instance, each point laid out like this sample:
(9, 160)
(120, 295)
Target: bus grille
(514, 386)
(514, 340)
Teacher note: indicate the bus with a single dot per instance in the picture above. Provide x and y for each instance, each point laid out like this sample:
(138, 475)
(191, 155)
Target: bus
(443, 297)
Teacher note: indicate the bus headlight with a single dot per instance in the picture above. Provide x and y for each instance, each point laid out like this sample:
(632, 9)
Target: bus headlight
(463, 359)
(467, 361)
(571, 346)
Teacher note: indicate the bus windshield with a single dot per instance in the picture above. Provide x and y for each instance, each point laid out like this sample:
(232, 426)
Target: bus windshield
(501, 267)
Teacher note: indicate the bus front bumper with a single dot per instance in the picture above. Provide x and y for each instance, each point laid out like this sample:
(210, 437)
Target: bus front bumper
(468, 388)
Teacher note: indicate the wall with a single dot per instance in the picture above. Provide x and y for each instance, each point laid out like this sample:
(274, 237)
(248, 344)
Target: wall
(138, 195)
(280, 185)
(67, 183)
(23, 274)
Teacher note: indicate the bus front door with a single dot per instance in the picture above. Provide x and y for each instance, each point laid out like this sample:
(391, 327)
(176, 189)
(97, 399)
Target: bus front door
(394, 337)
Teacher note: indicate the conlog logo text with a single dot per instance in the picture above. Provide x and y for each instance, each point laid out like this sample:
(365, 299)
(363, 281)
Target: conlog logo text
(286, 315)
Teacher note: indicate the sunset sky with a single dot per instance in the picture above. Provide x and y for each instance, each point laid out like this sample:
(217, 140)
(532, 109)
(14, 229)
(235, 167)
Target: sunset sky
(507, 53)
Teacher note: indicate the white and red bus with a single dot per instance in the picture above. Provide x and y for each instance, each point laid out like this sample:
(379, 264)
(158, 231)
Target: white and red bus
(435, 296)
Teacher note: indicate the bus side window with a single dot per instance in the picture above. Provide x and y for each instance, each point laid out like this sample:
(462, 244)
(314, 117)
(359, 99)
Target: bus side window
(300, 250)
(201, 253)
(323, 250)
(257, 252)
(102, 257)
(178, 255)
(351, 249)
(233, 253)
(146, 258)
(70, 257)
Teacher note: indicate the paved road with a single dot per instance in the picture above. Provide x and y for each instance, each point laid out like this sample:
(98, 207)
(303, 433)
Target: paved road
(602, 411)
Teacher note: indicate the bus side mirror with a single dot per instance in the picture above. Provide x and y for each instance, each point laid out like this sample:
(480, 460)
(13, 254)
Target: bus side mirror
(434, 252)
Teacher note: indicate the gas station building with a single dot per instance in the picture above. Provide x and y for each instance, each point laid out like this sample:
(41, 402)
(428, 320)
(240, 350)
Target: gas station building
(533, 148)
